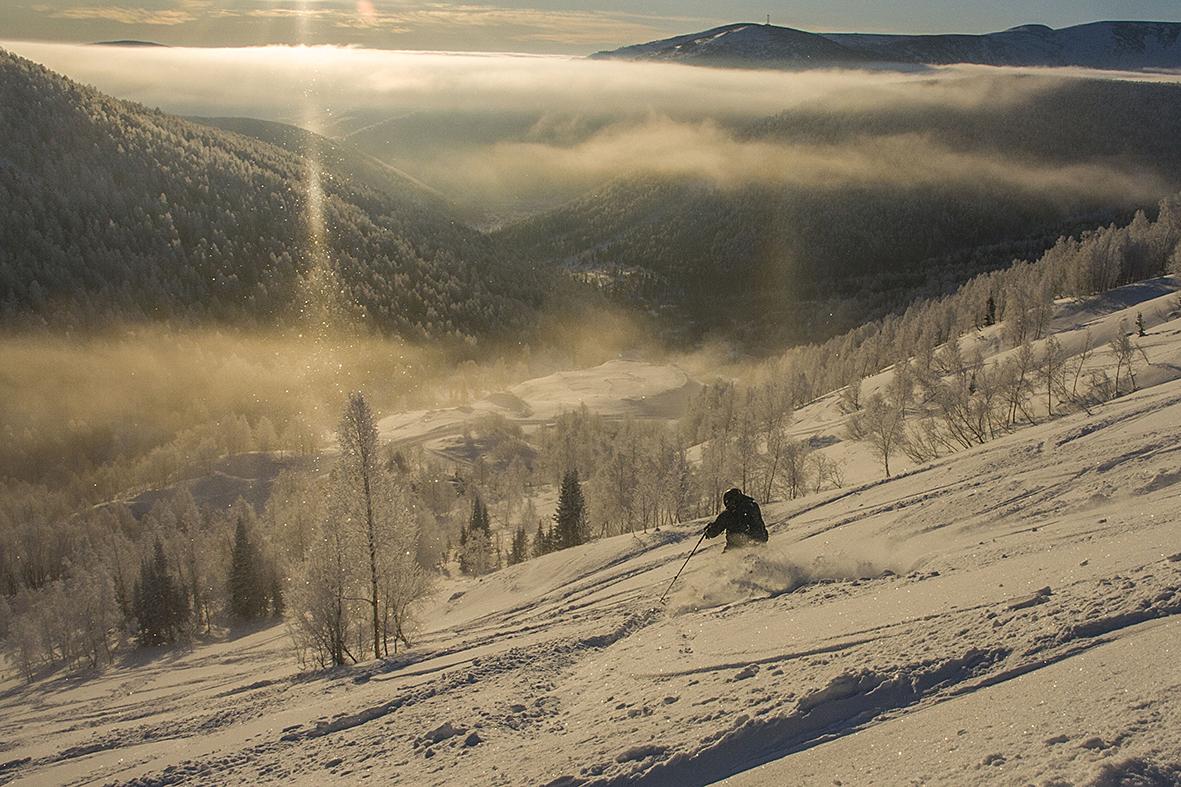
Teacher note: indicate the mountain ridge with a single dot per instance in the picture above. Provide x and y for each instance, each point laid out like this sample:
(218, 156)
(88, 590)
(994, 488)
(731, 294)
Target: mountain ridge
(1117, 45)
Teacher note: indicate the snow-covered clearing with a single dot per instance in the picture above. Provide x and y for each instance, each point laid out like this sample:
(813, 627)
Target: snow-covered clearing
(615, 389)
(1008, 614)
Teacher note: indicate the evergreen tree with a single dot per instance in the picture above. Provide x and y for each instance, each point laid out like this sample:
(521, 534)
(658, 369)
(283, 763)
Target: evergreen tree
(247, 590)
(540, 542)
(462, 553)
(476, 555)
(479, 519)
(990, 311)
(570, 525)
(160, 605)
(475, 541)
(520, 547)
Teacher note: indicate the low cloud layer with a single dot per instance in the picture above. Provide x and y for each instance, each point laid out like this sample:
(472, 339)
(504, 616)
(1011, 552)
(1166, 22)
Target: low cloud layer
(665, 147)
(623, 118)
(268, 81)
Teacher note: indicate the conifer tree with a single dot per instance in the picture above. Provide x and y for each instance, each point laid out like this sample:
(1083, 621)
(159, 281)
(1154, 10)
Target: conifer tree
(462, 553)
(160, 605)
(475, 541)
(247, 591)
(519, 551)
(570, 525)
(479, 519)
(540, 542)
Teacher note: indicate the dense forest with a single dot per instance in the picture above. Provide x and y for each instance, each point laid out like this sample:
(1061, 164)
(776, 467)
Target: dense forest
(789, 262)
(115, 211)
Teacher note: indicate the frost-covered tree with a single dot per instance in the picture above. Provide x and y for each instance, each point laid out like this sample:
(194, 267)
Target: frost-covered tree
(1078, 364)
(900, 388)
(360, 576)
(881, 425)
(851, 393)
(1125, 351)
(1017, 383)
(795, 468)
(774, 412)
(359, 479)
(293, 513)
(1051, 368)
(402, 580)
(374, 508)
(324, 616)
(826, 472)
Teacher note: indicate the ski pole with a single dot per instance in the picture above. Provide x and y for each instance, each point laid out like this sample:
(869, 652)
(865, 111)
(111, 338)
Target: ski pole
(670, 584)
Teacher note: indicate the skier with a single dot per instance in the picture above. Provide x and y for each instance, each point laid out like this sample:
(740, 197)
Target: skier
(741, 520)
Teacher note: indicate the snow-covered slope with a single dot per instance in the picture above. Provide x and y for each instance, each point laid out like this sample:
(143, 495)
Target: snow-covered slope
(1007, 614)
(1010, 613)
(1102, 45)
(1092, 323)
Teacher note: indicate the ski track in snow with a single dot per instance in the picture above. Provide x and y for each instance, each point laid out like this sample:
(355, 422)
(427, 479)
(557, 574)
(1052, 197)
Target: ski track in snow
(1007, 614)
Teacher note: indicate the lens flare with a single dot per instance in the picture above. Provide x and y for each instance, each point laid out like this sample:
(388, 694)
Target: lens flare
(323, 303)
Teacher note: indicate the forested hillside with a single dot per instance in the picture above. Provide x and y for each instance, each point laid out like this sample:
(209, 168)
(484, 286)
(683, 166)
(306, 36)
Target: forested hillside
(114, 212)
(342, 159)
(803, 259)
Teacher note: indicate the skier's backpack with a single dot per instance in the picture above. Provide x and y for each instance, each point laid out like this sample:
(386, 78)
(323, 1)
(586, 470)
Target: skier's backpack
(753, 518)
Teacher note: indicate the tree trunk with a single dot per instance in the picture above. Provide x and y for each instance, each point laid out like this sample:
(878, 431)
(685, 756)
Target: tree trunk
(372, 562)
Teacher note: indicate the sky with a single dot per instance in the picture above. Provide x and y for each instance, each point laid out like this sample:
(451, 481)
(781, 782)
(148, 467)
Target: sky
(539, 26)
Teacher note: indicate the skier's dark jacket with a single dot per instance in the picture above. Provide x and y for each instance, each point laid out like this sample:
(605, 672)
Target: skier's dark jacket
(742, 522)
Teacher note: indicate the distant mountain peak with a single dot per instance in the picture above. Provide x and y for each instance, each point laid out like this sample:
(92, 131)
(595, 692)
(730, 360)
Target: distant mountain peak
(1031, 28)
(1102, 45)
(129, 43)
(743, 44)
